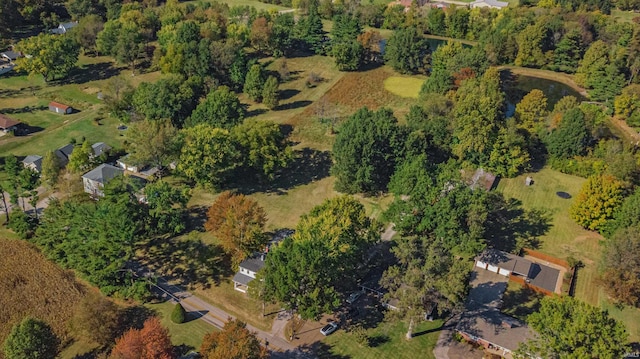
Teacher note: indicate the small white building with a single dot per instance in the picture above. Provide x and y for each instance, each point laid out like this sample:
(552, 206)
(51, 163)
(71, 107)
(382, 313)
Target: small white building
(64, 27)
(58, 107)
(493, 4)
(247, 272)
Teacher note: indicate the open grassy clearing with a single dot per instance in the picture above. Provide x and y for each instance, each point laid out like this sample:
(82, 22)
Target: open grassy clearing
(257, 4)
(404, 86)
(389, 342)
(26, 99)
(624, 16)
(189, 333)
(565, 238)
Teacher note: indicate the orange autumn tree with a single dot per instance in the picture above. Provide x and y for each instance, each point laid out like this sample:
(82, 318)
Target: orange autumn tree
(234, 341)
(150, 342)
(237, 222)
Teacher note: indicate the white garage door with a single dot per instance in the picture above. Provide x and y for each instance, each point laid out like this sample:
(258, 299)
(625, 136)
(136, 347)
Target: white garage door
(504, 272)
(482, 265)
(492, 268)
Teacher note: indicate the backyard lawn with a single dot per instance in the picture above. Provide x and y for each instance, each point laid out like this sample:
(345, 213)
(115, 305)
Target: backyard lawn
(387, 341)
(189, 333)
(565, 238)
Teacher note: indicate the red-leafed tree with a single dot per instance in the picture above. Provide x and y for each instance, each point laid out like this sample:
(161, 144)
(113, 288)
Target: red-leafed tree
(463, 74)
(234, 341)
(150, 342)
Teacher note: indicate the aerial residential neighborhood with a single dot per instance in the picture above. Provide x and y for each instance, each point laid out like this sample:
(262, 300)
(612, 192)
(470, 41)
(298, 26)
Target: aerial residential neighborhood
(340, 179)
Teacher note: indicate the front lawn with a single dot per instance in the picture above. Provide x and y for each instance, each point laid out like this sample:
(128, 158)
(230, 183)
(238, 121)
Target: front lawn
(387, 341)
(190, 333)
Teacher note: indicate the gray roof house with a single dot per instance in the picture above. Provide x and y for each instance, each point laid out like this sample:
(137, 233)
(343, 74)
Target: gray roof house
(10, 55)
(63, 153)
(34, 162)
(247, 272)
(507, 264)
(494, 331)
(64, 27)
(94, 180)
(100, 148)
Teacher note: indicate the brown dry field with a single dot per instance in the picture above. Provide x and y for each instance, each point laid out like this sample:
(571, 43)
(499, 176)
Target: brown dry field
(30, 285)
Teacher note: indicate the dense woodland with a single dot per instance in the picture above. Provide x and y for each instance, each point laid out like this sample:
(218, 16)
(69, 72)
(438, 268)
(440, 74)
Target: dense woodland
(192, 117)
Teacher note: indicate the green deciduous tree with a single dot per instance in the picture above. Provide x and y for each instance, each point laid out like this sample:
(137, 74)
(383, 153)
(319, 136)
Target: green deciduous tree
(308, 271)
(426, 275)
(152, 143)
(531, 111)
(532, 45)
(570, 328)
(86, 32)
(167, 206)
(477, 111)
(50, 169)
(571, 137)
(265, 149)
(599, 198)
(81, 158)
(407, 51)
(31, 339)
(51, 56)
(270, 93)
(366, 150)
(254, 82)
(207, 155)
(237, 222)
(169, 98)
(220, 109)
(628, 215)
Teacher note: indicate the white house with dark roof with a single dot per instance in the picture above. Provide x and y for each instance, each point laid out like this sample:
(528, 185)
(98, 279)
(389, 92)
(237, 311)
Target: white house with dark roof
(94, 180)
(247, 272)
(64, 27)
(493, 4)
(34, 162)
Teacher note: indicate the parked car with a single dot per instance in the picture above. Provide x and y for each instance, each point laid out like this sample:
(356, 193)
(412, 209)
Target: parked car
(354, 296)
(329, 328)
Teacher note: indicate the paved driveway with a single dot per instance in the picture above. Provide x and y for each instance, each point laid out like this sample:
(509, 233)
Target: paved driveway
(486, 289)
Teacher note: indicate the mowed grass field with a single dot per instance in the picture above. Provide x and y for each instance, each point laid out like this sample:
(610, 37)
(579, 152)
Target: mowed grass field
(26, 98)
(389, 342)
(404, 86)
(565, 238)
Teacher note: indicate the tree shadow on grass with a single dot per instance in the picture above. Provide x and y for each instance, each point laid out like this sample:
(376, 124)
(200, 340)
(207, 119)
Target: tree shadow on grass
(288, 93)
(133, 318)
(92, 72)
(186, 262)
(10, 93)
(378, 340)
(510, 227)
(195, 315)
(25, 109)
(293, 105)
(309, 165)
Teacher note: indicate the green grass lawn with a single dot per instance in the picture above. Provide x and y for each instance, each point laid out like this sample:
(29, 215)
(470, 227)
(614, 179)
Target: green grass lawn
(404, 86)
(257, 4)
(565, 238)
(190, 333)
(624, 16)
(391, 342)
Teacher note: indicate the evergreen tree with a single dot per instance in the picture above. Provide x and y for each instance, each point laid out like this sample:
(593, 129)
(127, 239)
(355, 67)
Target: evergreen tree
(270, 93)
(407, 51)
